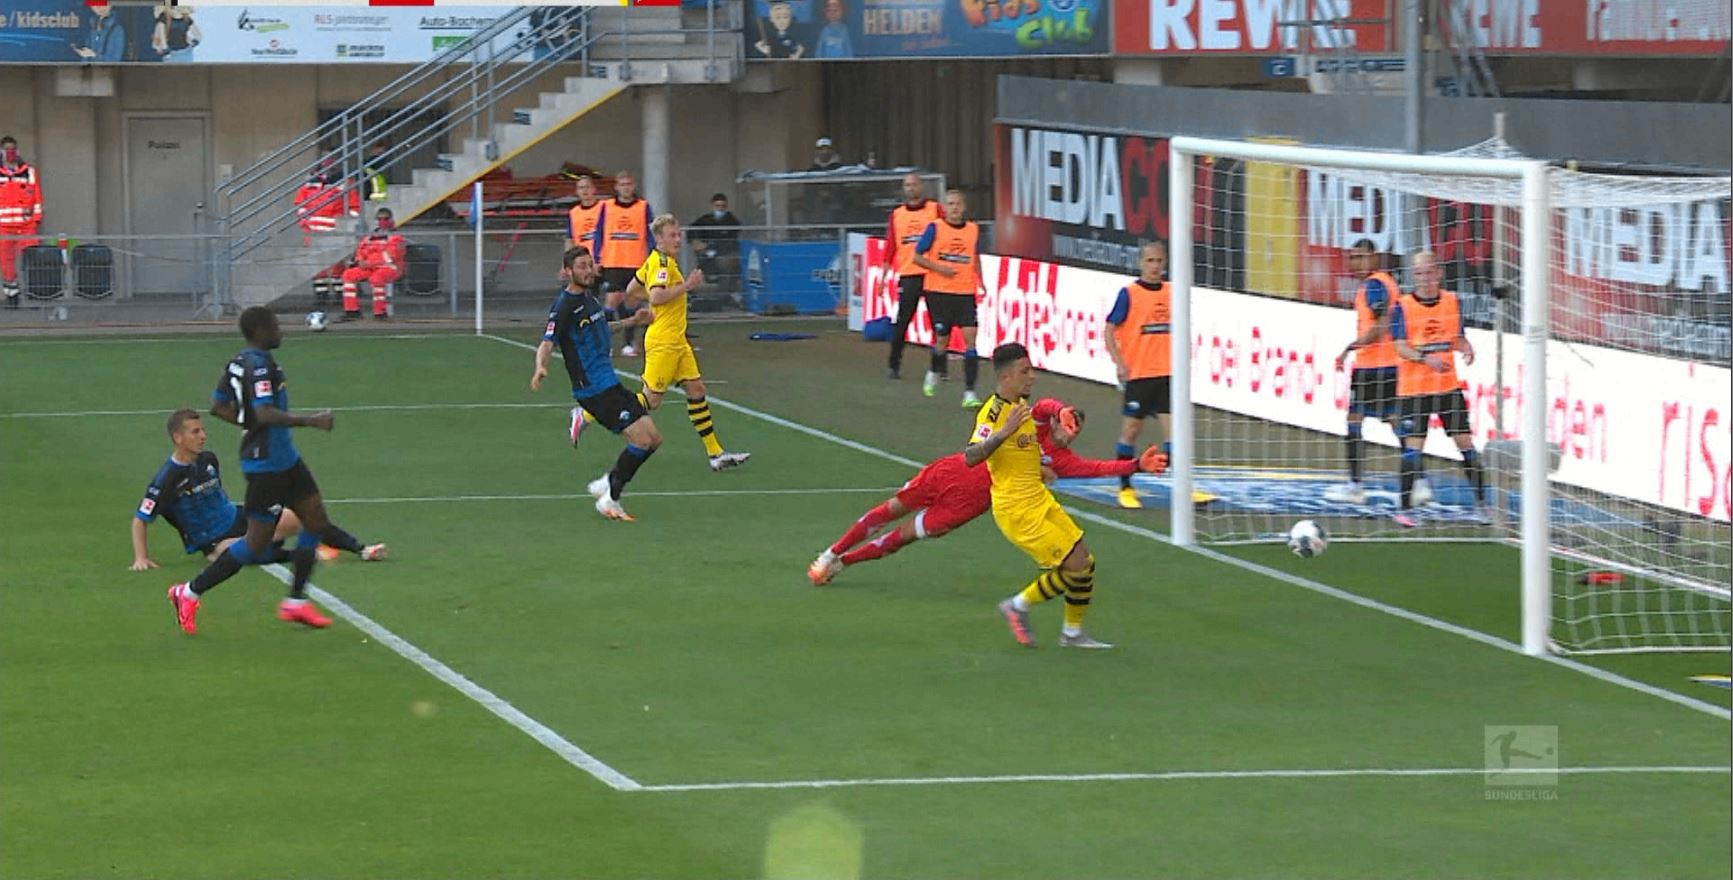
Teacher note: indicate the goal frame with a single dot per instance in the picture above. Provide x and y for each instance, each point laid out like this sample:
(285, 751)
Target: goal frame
(1536, 243)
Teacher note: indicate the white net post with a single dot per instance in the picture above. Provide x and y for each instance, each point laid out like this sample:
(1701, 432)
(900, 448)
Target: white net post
(1180, 263)
(1536, 500)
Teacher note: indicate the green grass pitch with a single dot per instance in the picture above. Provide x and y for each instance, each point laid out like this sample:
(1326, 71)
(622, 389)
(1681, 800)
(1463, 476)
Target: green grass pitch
(1230, 734)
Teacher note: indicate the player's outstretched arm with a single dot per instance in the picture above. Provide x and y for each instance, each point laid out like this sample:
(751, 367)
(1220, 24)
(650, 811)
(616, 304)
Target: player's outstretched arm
(141, 560)
(272, 417)
(543, 351)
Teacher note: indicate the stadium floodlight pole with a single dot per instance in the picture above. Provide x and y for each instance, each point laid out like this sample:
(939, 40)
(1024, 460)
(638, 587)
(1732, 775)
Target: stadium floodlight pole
(476, 221)
(1536, 502)
(1183, 524)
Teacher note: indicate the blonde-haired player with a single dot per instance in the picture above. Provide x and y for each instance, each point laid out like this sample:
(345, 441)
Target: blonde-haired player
(1005, 440)
(668, 357)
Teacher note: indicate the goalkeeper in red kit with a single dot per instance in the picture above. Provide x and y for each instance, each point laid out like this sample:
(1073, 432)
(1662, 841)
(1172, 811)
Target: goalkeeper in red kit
(947, 493)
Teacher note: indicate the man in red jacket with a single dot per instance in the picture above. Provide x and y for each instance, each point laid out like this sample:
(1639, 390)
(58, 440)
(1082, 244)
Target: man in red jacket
(20, 213)
(378, 261)
(321, 204)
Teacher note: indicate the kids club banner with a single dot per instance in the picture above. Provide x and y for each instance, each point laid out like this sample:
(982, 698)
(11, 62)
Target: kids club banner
(72, 31)
(839, 29)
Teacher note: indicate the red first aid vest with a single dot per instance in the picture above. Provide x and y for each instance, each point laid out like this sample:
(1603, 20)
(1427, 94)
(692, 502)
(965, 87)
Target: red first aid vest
(625, 233)
(905, 229)
(1429, 328)
(1383, 352)
(955, 247)
(320, 205)
(20, 197)
(380, 249)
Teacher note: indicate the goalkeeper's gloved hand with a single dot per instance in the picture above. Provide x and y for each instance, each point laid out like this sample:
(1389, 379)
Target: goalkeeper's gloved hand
(1152, 461)
(1071, 419)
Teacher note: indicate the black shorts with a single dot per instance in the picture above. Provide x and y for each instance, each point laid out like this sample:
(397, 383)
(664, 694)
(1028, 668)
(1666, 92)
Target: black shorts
(1418, 410)
(270, 492)
(1146, 398)
(614, 409)
(1374, 393)
(949, 310)
(237, 529)
(617, 280)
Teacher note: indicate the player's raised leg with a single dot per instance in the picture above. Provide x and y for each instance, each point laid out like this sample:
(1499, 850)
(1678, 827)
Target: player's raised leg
(642, 441)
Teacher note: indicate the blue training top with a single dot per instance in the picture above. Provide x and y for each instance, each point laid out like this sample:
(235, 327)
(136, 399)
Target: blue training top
(578, 325)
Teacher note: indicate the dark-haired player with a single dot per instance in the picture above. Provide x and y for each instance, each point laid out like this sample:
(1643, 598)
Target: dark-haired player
(251, 395)
(578, 324)
(1026, 512)
(947, 494)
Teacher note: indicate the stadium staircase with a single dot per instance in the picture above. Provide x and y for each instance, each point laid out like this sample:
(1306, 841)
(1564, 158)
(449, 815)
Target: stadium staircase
(471, 96)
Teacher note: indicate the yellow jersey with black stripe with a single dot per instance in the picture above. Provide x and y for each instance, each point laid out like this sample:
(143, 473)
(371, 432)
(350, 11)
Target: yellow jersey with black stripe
(1016, 465)
(669, 328)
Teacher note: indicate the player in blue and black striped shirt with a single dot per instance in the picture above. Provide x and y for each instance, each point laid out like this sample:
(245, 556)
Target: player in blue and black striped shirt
(251, 395)
(187, 492)
(578, 325)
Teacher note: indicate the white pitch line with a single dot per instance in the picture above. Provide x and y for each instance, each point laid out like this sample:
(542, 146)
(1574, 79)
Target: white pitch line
(487, 699)
(214, 337)
(1182, 775)
(360, 407)
(1596, 672)
(440, 499)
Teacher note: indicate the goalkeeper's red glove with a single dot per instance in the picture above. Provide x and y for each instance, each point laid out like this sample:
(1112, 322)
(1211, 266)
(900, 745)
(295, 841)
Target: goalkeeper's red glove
(1152, 461)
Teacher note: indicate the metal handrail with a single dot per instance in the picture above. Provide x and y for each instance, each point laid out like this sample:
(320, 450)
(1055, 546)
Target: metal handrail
(243, 217)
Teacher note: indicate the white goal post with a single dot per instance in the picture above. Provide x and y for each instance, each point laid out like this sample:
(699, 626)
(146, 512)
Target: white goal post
(1530, 177)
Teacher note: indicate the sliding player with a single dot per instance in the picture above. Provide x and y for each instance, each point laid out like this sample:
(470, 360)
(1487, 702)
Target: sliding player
(947, 494)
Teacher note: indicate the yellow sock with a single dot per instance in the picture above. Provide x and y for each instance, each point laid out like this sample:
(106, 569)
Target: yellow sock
(698, 410)
(1079, 588)
(1045, 587)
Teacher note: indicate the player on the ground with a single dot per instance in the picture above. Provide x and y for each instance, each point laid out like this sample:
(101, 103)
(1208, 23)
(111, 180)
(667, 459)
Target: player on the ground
(908, 221)
(947, 494)
(578, 324)
(251, 395)
(668, 357)
(1026, 512)
(622, 240)
(1373, 382)
(1139, 339)
(950, 250)
(1428, 330)
(187, 491)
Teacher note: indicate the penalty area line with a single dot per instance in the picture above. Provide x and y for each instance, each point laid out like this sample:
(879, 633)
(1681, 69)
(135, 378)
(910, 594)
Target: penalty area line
(696, 493)
(1505, 777)
(1596, 672)
(487, 699)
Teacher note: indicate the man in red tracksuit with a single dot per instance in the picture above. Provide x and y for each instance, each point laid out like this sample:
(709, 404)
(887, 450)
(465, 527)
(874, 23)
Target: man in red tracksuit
(20, 213)
(320, 206)
(378, 261)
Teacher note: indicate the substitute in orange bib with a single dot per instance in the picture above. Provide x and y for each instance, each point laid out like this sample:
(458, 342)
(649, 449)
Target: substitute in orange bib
(20, 213)
(908, 221)
(950, 251)
(1139, 339)
(1373, 386)
(623, 239)
(379, 262)
(581, 220)
(1428, 332)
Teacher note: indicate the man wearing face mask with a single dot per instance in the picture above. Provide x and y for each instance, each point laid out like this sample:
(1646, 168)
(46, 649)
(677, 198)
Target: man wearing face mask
(20, 213)
(718, 252)
(378, 261)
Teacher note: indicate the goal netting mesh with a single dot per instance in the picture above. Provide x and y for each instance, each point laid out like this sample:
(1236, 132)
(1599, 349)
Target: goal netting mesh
(1637, 376)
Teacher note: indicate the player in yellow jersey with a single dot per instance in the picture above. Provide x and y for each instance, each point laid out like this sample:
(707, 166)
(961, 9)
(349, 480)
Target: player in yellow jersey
(668, 357)
(1005, 440)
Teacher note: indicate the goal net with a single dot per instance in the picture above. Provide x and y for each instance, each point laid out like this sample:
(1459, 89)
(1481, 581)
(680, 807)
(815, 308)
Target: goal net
(1594, 311)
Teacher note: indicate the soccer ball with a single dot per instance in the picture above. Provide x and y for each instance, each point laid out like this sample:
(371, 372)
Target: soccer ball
(1307, 539)
(316, 321)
